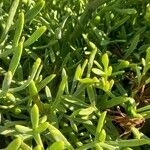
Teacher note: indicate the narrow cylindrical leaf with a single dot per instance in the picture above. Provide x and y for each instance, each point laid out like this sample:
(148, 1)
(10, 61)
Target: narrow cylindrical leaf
(91, 94)
(30, 15)
(58, 136)
(16, 57)
(33, 89)
(77, 76)
(75, 100)
(118, 73)
(89, 80)
(73, 126)
(44, 82)
(19, 73)
(142, 109)
(78, 73)
(134, 43)
(114, 102)
(111, 83)
(52, 56)
(19, 28)
(83, 66)
(120, 22)
(23, 129)
(31, 77)
(147, 14)
(86, 111)
(143, 62)
(100, 125)
(98, 71)
(98, 65)
(130, 142)
(35, 116)
(35, 36)
(15, 144)
(48, 93)
(105, 61)
(38, 76)
(42, 127)
(57, 146)
(58, 33)
(126, 11)
(92, 56)
(102, 136)
(7, 81)
(109, 72)
(60, 90)
(136, 133)
(43, 119)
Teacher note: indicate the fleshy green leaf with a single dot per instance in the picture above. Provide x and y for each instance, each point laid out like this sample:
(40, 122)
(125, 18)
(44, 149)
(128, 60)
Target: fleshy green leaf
(35, 116)
(57, 146)
(35, 36)
(15, 144)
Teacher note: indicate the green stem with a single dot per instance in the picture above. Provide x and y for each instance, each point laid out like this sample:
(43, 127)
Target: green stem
(38, 139)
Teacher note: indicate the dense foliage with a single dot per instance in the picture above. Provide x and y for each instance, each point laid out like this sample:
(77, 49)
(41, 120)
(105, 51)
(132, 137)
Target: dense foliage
(74, 74)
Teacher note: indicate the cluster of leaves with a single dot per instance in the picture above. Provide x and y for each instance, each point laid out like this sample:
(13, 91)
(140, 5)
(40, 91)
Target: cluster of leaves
(74, 74)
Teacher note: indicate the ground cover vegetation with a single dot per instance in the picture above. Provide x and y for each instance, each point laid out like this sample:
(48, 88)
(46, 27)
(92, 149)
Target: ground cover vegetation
(74, 74)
